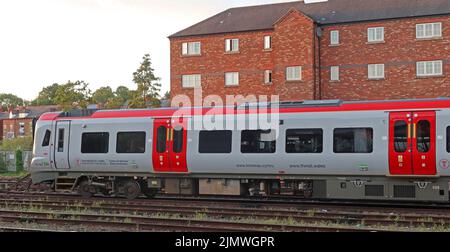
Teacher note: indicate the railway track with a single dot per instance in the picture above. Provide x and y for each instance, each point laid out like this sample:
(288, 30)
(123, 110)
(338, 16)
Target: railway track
(292, 218)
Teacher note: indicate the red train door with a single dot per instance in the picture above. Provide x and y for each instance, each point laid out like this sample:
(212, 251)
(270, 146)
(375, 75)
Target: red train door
(169, 145)
(412, 144)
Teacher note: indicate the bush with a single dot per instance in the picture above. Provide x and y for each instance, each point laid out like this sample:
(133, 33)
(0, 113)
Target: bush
(3, 167)
(23, 143)
(19, 160)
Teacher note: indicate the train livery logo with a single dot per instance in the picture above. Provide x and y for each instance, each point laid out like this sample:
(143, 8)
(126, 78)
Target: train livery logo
(445, 164)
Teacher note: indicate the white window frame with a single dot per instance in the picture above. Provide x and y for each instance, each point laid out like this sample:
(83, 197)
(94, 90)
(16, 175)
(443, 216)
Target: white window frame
(375, 34)
(268, 77)
(334, 37)
(191, 81)
(231, 45)
(294, 73)
(335, 73)
(232, 79)
(429, 68)
(267, 42)
(434, 30)
(191, 48)
(376, 71)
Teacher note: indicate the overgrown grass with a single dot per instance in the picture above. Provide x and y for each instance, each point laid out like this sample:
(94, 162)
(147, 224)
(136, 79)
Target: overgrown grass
(17, 175)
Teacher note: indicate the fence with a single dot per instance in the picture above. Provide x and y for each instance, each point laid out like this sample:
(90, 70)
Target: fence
(9, 160)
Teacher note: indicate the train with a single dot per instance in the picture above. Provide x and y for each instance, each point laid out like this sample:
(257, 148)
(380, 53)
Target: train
(395, 150)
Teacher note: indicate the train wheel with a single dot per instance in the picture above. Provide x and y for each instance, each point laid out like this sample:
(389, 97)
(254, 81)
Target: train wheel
(84, 189)
(150, 193)
(131, 189)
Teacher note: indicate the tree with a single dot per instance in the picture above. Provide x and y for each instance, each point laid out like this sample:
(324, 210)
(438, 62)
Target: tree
(10, 100)
(148, 86)
(102, 95)
(73, 95)
(23, 143)
(47, 96)
(123, 93)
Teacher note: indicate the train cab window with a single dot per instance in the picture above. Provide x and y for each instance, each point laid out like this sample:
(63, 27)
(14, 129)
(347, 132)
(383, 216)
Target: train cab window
(178, 139)
(215, 142)
(448, 139)
(304, 141)
(95, 143)
(423, 136)
(161, 139)
(61, 140)
(130, 142)
(401, 136)
(353, 140)
(46, 141)
(258, 141)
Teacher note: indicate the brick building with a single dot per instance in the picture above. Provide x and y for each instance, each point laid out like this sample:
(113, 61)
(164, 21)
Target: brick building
(340, 49)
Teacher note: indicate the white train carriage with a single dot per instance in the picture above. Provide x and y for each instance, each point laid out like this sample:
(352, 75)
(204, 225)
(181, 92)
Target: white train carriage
(387, 150)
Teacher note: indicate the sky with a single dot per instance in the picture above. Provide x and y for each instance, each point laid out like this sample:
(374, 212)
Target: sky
(101, 42)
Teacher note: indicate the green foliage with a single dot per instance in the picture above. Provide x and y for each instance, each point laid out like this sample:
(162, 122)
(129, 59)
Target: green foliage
(47, 96)
(3, 167)
(73, 95)
(148, 86)
(102, 95)
(19, 160)
(7, 100)
(22, 143)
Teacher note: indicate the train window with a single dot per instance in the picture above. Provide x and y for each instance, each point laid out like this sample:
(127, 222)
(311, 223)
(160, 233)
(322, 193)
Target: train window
(95, 143)
(401, 136)
(46, 141)
(353, 140)
(130, 142)
(60, 140)
(258, 141)
(178, 140)
(423, 136)
(304, 141)
(161, 140)
(216, 141)
(448, 139)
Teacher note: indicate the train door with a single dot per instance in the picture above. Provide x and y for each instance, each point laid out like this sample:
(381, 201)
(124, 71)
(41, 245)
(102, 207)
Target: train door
(61, 145)
(169, 146)
(412, 144)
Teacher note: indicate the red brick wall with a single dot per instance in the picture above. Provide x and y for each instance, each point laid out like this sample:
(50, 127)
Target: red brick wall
(293, 44)
(13, 125)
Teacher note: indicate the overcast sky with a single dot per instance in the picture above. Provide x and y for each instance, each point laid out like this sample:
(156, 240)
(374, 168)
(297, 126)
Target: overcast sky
(99, 41)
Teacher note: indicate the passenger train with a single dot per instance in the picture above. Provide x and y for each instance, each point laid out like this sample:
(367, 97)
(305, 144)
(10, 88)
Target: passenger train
(374, 150)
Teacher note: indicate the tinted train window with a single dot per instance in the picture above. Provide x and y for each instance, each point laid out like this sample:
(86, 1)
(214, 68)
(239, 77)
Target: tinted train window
(423, 136)
(46, 141)
(304, 141)
(178, 140)
(258, 141)
(130, 142)
(401, 136)
(61, 140)
(161, 140)
(356, 140)
(448, 139)
(216, 141)
(94, 143)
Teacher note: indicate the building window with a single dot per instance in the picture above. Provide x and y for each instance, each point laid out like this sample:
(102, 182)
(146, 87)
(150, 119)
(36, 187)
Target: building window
(356, 140)
(429, 68)
(192, 81)
(46, 141)
(334, 73)
(191, 48)
(232, 45)
(232, 79)
(95, 143)
(376, 71)
(304, 141)
(430, 30)
(334, 37)
(294, 73)
(268, 76)
(448, 139)
(258, 141)
(375, 34)
(130, 142)
(267, 42)
(215, 142)
(22, 129)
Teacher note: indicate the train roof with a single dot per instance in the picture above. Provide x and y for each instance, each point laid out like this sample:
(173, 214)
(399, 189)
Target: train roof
(282, 107)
